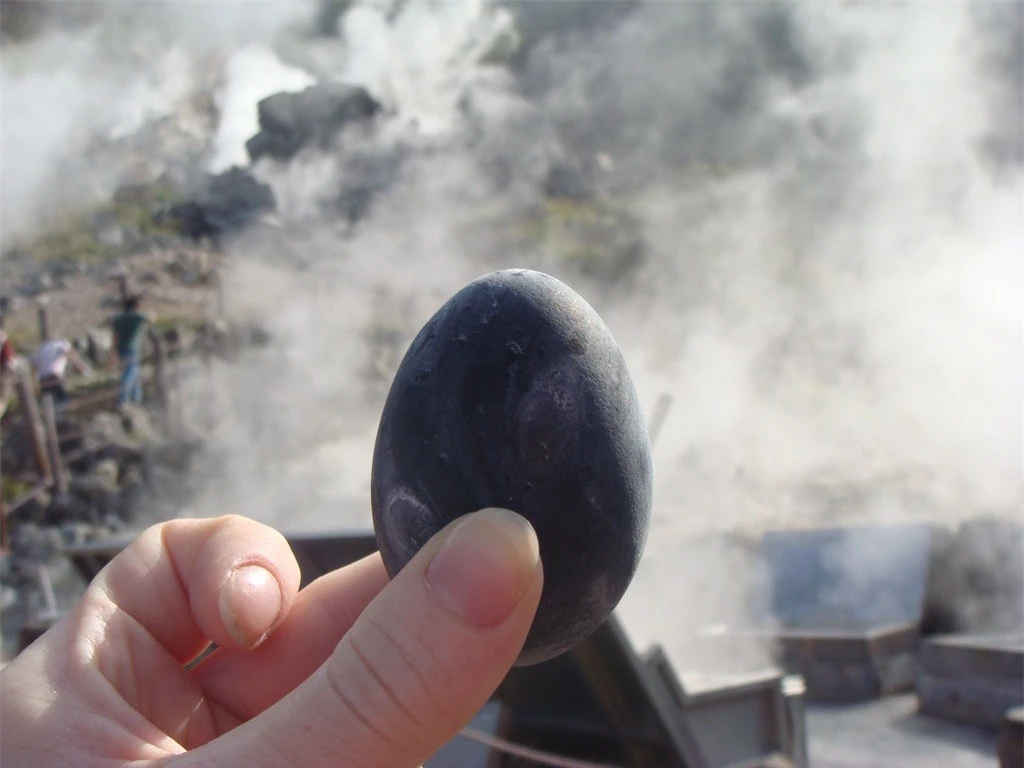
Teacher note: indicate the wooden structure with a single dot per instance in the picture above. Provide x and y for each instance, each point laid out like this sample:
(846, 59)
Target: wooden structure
(57, 475)
(34, 422)
(44, 324)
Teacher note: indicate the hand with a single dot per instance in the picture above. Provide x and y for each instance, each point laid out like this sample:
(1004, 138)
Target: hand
(352, 670)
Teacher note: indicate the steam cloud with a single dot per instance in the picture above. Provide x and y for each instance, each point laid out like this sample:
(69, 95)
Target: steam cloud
(830, 198)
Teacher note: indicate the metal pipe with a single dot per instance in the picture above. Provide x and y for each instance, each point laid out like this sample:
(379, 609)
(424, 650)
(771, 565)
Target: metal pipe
(528, 753)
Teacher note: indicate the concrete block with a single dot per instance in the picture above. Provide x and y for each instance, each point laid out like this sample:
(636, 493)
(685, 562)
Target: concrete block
(737, 719)
(971, 679)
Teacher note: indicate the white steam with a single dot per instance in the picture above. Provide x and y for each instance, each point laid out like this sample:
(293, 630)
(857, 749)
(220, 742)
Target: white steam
(71, 93)
(832, 290)
(251, 74)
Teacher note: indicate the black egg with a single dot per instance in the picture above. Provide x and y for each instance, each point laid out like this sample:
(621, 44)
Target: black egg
(516, 395)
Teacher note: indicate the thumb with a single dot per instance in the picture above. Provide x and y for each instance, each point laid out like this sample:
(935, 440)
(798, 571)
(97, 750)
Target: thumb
(419, 662)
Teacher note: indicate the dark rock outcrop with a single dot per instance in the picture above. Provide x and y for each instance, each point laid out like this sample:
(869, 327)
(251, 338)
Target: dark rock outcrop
(365, 176)
(226, 203)
(327, 19)
(976, 582)
(291, 121)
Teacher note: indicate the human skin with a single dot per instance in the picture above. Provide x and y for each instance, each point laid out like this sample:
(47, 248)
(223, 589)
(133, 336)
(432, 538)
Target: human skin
(354, 670)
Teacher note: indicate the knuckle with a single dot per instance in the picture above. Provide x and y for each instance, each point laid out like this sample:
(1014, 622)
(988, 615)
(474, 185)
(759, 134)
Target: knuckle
(231, 520)
(392, 685)
(366, 719)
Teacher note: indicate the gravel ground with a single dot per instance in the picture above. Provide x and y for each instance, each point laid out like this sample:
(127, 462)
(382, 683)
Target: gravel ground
(83, 301)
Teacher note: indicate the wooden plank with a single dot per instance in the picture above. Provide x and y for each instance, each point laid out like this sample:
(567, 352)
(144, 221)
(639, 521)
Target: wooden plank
(44, 324)
(60, 480)
(161, 387)
(37, 436)
(176, 405)
(122, 286)
(27, 496)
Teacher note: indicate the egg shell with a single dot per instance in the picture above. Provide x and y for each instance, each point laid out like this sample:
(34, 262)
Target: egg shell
(514, 394)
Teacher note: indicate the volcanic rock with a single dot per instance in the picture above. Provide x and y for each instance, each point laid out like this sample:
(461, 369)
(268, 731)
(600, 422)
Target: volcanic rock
(291, 121)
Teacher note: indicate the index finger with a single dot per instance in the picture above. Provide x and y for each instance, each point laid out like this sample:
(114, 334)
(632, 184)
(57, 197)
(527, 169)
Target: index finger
(170, 578)
(245, 684)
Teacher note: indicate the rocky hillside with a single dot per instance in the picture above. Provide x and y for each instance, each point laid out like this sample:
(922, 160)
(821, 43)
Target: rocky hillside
(787, 214)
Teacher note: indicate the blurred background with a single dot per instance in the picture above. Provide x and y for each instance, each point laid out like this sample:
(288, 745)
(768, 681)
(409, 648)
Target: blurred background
(802, 222)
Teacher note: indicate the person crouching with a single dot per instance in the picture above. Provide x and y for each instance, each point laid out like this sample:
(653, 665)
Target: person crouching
(51, 361)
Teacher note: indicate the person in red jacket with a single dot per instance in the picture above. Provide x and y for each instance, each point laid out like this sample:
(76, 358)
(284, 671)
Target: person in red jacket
(6, 364)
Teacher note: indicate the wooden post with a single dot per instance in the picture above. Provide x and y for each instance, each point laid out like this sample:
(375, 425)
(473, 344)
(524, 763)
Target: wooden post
(60, 480)
(44, 324)
(122, 287)
(211, 392)
(4, 545)
(160, 389)
(178, 402)
(221, 300)
(27, 396)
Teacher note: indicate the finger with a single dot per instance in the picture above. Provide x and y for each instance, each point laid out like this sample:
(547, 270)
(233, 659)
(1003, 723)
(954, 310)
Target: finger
(418, 663)
(229, 580)
(157, 604)
(244, 684)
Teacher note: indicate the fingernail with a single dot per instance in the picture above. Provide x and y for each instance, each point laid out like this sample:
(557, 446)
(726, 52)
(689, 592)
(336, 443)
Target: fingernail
(485, 566)
(250, 601)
